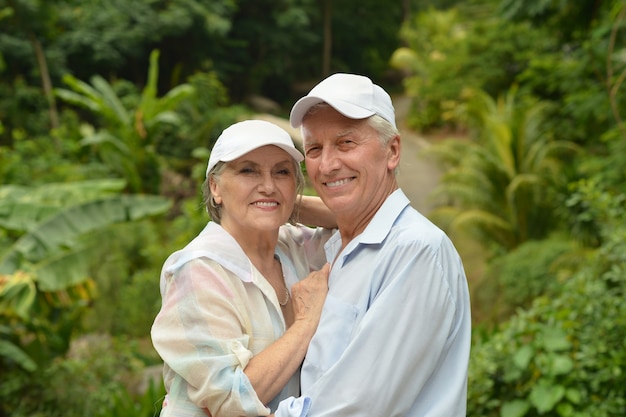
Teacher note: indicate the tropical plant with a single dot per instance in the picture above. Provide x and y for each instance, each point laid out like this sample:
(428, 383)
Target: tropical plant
(52, 233)
(51, 221)
(126, 140)
(536, 268)
(450, 50)
(501, 185)
(564, 356)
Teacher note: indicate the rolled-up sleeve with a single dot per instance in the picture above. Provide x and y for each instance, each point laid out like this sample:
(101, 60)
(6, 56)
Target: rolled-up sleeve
(202, 333)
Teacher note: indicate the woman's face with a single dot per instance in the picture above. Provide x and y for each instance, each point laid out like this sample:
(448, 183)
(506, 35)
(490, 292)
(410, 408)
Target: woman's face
(257, 191)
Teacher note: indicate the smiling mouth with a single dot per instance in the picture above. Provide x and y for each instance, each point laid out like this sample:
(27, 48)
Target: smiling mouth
(338, 183)
(265, 203)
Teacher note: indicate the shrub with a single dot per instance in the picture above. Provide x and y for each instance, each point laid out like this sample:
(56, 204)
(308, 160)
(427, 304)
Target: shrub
(564, 356)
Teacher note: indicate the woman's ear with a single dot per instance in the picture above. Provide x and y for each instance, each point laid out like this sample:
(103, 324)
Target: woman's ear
(215, 190)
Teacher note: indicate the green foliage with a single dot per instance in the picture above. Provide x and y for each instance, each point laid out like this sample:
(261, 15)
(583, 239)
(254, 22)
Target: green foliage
(51, 246)
(507, 184)
(46, 163)
(38, 327)
(127, 276)
(127, 273)
(125, 404)
(564, 355)
(501, 185)
(588, 207)
(55, 234)
(569, 80)
(126, 142)
(375, 42)
(535, 268)
(454, 49)
(572, 17)
(568, 54)
(205, 114)
(100, 376)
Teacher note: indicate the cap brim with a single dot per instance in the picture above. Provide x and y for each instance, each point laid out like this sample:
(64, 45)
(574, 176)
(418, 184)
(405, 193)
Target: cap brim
(349, 110)
(293, 152)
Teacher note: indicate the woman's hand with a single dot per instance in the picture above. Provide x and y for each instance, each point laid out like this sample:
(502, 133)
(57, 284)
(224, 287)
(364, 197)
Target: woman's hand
(308, 296)
(270, 370)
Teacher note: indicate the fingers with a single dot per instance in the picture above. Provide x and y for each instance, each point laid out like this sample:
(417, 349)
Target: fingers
(309, 295)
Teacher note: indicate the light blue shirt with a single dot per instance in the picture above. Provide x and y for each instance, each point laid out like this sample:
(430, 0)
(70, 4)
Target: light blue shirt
(394, 336)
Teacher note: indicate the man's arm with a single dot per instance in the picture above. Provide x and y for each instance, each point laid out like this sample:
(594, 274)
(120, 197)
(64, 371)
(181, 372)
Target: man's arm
(313, 212)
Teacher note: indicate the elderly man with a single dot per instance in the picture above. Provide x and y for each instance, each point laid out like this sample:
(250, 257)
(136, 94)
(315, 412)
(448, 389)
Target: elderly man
(394, 336)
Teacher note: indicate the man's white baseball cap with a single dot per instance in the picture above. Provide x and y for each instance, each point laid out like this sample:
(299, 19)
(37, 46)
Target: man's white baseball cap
(354, 96)
(243, 137)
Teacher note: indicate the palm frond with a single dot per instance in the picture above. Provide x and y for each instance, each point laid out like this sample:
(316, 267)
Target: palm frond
(62, 230)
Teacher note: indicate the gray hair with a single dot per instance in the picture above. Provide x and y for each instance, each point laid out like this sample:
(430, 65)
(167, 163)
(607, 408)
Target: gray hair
(215, 210)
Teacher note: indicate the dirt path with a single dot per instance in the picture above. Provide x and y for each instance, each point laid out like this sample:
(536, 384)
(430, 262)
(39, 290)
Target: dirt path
(418, 176)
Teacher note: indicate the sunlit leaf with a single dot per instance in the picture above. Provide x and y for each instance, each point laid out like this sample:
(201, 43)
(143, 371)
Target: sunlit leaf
(544, 396)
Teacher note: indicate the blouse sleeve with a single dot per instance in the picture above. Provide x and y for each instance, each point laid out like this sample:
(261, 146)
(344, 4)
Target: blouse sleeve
(305, 245)
(202, 334)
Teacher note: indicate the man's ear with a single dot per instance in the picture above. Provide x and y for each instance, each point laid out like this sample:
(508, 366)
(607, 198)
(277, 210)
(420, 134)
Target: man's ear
(393, 153)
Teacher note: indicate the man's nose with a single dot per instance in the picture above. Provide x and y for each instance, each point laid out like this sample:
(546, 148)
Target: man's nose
(329, 161)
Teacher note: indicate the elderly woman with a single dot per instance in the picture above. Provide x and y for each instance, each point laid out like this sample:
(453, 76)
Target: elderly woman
(242, 300)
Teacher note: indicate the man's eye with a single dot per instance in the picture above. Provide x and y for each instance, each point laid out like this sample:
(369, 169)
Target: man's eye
(312, 150)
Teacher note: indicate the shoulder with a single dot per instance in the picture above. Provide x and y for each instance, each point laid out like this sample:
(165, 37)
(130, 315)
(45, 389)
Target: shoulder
(413, 228)
(301, 234)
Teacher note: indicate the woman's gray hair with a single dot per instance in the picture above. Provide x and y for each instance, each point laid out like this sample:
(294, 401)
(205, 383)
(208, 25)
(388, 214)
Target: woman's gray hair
(215, 210)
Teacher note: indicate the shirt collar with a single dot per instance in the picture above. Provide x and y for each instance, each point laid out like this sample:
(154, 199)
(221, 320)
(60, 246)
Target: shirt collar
(217, 244)
(380, 225)
(377, 229)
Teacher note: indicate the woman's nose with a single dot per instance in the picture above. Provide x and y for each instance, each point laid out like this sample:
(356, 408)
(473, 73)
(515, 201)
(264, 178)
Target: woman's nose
(267, 184)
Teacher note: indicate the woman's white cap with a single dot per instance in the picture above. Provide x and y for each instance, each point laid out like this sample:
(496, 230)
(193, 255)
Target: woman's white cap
(354, 96)
(243, 137)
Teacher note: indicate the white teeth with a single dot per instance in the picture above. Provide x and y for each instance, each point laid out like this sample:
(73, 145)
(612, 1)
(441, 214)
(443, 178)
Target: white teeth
(338, 183)
(266, 203)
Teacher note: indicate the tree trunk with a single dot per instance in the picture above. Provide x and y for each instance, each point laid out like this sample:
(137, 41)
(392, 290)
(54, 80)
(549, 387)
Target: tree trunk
(328, 37)
(45, 80)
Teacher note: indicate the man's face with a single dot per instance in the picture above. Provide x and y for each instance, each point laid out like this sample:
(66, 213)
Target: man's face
(348, 165)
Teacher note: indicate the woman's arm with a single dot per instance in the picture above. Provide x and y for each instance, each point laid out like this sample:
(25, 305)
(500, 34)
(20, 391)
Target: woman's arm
(313, 212)
(197, 311)
(270, 370)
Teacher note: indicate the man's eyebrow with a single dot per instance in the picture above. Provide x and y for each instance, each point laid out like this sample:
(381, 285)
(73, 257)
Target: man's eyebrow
(345, 132)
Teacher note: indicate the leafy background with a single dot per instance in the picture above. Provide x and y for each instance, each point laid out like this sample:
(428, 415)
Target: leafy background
(108, 110)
